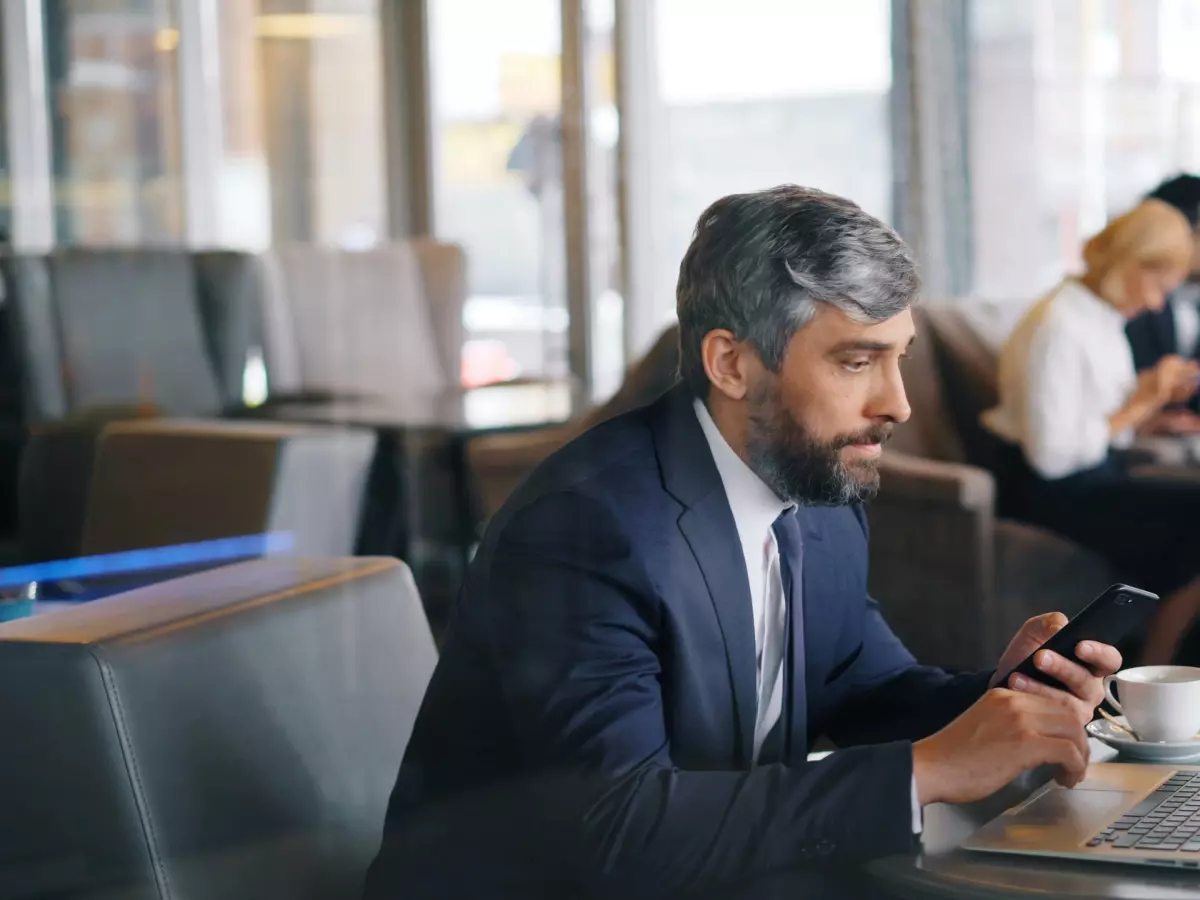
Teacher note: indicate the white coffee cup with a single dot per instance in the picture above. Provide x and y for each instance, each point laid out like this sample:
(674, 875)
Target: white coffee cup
(1161, 703)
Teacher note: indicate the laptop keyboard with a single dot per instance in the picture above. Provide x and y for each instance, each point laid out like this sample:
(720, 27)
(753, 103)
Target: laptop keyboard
(1168, 819)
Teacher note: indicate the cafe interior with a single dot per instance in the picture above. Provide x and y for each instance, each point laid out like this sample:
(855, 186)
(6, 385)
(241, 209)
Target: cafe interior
(294, 294)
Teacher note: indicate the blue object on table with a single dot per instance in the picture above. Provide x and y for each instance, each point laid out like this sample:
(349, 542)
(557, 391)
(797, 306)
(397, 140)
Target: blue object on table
(200, 552)
(18, 602)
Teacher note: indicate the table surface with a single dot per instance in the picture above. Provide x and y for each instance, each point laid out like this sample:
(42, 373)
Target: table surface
(942, 870)
(496, 408)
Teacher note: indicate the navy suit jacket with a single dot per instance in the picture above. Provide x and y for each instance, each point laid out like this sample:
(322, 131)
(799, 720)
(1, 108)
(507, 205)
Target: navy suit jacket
(1151, 337)
(590, 721)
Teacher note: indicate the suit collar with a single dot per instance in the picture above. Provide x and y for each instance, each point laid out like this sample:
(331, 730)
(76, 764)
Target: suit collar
(755, 506)
(688, 471)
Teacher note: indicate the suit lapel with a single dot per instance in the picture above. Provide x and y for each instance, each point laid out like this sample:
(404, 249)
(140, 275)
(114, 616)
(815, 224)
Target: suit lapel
(709, 530)
(707, 525)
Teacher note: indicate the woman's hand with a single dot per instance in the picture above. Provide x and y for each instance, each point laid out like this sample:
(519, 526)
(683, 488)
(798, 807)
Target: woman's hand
(1172, 380)
(1174, 422)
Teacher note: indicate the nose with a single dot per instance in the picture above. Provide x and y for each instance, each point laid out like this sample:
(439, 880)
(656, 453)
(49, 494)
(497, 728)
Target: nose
(890, 401)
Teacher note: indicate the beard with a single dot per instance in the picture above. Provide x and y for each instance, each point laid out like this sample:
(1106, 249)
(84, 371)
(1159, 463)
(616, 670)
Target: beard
(799, 467)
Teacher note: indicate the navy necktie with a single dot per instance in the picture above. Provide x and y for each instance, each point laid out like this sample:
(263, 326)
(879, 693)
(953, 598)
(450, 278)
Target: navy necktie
(792, 719)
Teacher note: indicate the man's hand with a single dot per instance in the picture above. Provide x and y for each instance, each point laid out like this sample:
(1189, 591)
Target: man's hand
(1081, 690)
(1002, 735)
(1010, 731)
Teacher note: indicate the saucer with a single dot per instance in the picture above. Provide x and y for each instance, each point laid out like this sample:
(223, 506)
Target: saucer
(1146, 751)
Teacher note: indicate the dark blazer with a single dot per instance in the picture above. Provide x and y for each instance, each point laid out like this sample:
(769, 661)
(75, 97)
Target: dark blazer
(589, 725)
(1151, 337)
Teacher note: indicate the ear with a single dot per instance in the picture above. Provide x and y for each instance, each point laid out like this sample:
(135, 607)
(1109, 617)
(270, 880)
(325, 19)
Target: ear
(725, 363)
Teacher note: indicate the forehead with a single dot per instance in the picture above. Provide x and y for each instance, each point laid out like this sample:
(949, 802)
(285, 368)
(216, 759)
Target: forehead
(830, 327)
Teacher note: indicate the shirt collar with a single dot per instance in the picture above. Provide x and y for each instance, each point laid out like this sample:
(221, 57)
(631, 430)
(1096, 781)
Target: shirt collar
(754, 505)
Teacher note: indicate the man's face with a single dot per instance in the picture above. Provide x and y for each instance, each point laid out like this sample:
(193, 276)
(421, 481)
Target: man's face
(816, 429)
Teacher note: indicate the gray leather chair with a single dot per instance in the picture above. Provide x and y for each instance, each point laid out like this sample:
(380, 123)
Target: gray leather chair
(380, 322)
(150, 482)
(93, 336)
(105, 328)
(231, 735)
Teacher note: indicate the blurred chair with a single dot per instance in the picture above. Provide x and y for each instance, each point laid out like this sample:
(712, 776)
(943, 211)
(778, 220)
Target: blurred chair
(230, 735)
(102, 329)
(92, 336)
(99, 337)
(133, 484)
(499, 462)
(381, 322)
(954, 581)
(230, 294)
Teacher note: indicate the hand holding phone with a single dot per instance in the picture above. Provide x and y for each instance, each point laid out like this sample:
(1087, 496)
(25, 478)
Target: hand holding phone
(1108, 619)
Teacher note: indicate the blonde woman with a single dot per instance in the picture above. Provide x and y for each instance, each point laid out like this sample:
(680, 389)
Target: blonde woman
(1071, 401)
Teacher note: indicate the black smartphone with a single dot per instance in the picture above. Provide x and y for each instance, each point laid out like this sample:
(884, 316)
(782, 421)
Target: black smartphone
(1108, 619)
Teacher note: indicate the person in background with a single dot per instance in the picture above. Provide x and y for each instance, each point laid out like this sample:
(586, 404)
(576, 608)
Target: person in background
(1071, 401)
(1175, 329)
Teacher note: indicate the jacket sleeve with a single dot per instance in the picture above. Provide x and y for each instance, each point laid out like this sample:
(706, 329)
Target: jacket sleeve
(575, 631)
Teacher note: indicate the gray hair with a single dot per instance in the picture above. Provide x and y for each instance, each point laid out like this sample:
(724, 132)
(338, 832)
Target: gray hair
(759, 264)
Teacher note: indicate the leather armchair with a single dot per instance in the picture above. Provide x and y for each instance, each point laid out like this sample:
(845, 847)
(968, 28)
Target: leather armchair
(107, 486)
(231, 735)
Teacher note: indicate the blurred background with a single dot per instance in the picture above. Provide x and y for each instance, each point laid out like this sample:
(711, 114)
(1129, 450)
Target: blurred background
(294, 292)
(995, 133)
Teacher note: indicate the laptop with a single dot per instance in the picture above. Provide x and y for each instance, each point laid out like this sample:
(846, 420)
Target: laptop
(1141, 814)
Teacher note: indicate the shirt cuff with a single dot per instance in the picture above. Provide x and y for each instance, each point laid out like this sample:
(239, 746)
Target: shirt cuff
(1123, 440)
(918, 815)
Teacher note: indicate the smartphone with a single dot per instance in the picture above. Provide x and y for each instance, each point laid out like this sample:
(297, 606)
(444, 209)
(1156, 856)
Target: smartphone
(1108, 619)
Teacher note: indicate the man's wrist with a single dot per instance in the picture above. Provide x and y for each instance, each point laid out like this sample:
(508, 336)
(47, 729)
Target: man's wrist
(924, 776)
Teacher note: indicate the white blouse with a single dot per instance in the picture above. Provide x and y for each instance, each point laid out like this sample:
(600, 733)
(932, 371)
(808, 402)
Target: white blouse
(1064, 370)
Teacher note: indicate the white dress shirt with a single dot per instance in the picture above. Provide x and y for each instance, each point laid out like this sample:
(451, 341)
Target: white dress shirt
(755, 508)
(1065, 369)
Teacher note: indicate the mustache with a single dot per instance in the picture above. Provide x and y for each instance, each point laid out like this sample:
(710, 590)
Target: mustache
(876, 434)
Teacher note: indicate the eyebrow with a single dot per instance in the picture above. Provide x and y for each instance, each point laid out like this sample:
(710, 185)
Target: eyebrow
(871, 346)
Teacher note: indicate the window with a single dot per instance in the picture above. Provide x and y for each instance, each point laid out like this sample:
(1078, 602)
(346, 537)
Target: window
(1078, 108)
(114, 112)
(302, 123)
(604, 237)
(757, 93)
(498, 191)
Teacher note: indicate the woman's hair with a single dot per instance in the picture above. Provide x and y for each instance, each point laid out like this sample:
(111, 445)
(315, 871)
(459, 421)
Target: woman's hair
(1154, 235)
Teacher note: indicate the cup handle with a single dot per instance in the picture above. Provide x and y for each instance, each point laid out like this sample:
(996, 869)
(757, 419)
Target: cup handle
(1108, 682)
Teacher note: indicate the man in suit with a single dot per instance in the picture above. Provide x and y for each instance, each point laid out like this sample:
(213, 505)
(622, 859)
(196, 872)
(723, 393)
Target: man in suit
(1175, 329)
(661, 621)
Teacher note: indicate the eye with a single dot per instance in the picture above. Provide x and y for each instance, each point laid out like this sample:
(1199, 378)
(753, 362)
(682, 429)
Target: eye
(856, 365)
